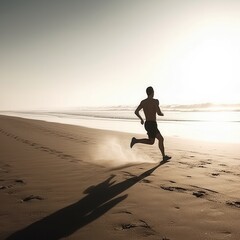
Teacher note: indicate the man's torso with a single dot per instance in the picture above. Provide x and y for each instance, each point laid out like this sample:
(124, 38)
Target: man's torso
(150, 106)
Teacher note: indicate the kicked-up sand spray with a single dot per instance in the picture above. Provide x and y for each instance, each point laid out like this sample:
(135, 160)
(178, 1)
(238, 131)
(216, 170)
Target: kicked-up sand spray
(111, 151)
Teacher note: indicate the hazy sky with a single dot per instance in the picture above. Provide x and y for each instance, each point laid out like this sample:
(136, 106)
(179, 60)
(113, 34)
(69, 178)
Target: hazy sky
(60, 54)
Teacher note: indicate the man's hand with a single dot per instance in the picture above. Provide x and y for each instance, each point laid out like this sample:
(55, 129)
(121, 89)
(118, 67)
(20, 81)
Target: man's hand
(159, 112)
(137, 113)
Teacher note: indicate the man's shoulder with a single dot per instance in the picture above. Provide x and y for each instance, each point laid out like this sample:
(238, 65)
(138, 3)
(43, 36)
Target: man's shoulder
(156, 100)
(143, 101)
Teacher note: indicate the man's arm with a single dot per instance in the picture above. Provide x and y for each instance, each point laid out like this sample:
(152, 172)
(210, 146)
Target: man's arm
(138, 114)
(159, 112)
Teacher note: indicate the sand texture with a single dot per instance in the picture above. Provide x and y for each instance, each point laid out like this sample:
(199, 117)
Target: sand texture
(67, 182)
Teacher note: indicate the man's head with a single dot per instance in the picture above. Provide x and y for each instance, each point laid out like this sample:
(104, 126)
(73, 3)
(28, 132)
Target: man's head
(150, 91)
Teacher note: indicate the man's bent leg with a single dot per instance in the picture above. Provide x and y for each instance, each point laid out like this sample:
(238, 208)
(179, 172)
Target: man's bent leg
(149, 141)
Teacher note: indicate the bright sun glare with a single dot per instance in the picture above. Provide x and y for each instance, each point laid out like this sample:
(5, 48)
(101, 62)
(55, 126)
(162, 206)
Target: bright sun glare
(206, 67)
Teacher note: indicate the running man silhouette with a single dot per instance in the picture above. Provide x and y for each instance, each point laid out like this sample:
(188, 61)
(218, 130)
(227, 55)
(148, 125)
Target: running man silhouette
(150, 108)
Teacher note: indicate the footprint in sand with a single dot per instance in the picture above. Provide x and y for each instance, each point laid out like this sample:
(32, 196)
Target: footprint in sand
(45, 149)
(124, 212)
(234, 203)
(201, 166)
(137, 224)
(177, 189)
(199, 194)
(226, 171)
(10, 187)
(146, 181)
(194, 190)
(20, 181)
(31, 197)
(205, 162)
(222, 165)
(215, 174)
(128, 174)
(227, 232)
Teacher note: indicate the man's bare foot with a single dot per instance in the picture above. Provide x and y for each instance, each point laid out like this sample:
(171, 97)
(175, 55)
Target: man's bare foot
(166, 158)
(132, 142)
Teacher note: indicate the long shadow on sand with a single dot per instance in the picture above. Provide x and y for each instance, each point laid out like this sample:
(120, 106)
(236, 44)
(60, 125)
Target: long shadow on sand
(66, 221)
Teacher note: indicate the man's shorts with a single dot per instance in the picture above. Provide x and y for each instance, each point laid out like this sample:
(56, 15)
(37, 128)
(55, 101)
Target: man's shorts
(151, 128)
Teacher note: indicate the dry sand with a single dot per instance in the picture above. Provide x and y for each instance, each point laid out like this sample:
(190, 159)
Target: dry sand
(67, 182)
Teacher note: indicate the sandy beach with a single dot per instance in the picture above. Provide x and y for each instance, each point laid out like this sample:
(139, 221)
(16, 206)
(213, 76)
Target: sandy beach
(62, 181)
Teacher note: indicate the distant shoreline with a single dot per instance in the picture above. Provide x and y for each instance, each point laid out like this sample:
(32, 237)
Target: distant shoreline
(212, 127)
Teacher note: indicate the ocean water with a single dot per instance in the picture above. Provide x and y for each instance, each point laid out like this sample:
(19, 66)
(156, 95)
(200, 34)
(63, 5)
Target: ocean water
(217, 125)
